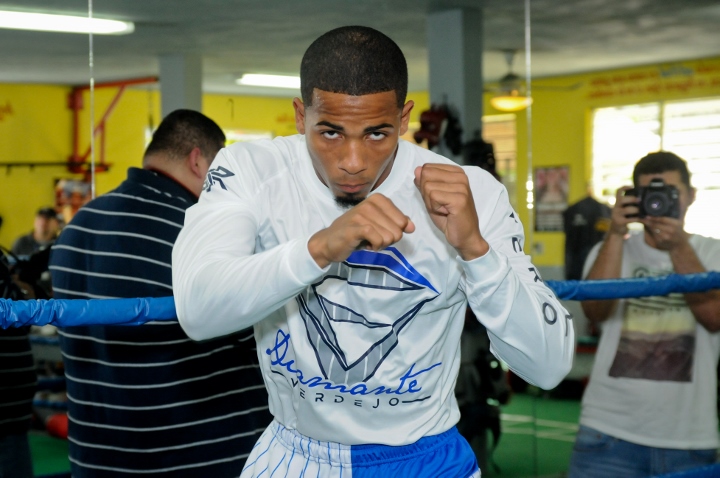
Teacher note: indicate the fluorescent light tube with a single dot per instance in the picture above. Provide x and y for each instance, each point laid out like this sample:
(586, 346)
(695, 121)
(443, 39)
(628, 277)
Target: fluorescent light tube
(274, 81)
(63, 23)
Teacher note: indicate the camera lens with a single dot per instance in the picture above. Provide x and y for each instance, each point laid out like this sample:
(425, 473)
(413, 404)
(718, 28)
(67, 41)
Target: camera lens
(656, 204)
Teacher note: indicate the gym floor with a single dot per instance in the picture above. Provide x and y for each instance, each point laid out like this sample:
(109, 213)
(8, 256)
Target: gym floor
(539, 448)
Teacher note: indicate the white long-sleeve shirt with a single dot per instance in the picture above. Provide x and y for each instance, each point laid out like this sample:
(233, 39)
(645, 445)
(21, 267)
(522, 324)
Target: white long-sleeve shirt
(364, 351)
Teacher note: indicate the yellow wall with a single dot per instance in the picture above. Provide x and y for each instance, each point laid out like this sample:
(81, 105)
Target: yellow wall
(561, 122)
(36, 126)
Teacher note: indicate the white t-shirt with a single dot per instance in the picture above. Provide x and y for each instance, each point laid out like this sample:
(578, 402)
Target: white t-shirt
(654, 381)
(364, 351)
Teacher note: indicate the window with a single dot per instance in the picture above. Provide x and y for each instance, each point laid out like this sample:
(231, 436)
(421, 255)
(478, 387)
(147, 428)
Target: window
(690, 129)
(500, 131)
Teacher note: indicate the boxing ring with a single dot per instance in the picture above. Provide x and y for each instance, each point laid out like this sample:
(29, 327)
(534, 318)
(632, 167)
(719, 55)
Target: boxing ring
(138, 311)
(74, 312)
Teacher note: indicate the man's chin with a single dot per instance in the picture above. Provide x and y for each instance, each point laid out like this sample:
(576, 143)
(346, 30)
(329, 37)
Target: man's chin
(348, 201)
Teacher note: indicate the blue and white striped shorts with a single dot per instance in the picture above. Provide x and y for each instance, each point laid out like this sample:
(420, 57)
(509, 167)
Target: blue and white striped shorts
(284, 453)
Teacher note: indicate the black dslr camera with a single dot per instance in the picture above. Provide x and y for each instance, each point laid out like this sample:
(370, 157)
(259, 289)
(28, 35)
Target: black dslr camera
(656, 199)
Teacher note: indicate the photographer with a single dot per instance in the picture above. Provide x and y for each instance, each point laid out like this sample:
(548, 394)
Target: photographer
(650, 405)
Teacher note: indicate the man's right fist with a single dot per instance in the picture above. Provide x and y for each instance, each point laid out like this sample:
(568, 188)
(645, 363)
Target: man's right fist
(374, 224)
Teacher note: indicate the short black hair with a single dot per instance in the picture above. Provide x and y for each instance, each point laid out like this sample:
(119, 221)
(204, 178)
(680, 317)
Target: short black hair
(353, 60)
(660, 162)
(47, 212)
(182, 130)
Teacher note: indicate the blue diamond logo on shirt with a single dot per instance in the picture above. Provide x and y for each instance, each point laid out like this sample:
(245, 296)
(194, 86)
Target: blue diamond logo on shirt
(355, 314)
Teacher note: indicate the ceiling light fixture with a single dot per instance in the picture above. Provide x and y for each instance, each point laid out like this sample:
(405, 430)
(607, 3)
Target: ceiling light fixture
(511, 92)
(47, 22)
(510, 100)
(273, 81)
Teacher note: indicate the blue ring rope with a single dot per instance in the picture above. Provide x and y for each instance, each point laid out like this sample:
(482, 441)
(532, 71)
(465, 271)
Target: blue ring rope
(631, 288)
(74, 312)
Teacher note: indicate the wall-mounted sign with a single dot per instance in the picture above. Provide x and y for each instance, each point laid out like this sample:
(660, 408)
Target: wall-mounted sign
(691, 77)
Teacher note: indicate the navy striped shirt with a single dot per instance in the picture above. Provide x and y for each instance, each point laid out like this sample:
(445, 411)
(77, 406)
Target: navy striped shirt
(148, 399)
(18, 381)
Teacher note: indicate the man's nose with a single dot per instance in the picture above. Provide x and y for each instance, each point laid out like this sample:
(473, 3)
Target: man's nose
(353, 158)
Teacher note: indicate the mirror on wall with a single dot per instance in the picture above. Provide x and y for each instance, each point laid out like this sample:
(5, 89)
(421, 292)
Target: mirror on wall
(610, 82)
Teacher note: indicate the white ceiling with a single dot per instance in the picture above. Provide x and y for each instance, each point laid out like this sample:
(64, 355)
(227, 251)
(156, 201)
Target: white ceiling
(270, 36)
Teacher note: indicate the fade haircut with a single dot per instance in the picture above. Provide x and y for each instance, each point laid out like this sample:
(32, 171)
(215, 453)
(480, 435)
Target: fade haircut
(660, 162)
(183, 130)
(356, 61)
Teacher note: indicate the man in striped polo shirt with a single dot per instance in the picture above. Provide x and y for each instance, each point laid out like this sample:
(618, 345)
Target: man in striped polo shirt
(148, 400)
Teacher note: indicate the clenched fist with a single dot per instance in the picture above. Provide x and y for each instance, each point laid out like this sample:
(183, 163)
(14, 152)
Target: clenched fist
(445, 189)
(375, 224)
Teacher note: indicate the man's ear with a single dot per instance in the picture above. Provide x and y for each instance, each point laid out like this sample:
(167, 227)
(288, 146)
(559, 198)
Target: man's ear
(299, 115)
(195, 162)
(405, 118)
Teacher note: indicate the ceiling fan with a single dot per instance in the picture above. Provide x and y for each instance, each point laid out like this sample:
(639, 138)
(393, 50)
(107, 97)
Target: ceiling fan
(510, 94)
